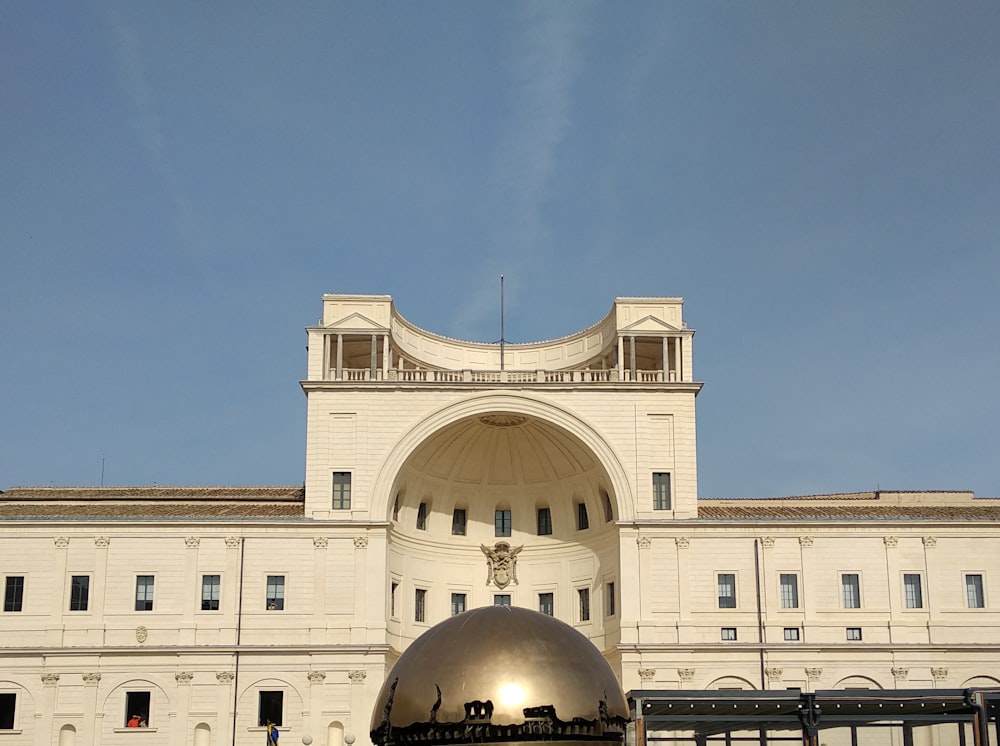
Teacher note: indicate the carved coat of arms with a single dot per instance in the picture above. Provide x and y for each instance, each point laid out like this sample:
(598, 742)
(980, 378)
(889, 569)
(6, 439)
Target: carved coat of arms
(501, 564)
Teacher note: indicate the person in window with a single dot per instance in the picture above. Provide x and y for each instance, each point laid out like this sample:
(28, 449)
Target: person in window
(133, 722)
(272, 734)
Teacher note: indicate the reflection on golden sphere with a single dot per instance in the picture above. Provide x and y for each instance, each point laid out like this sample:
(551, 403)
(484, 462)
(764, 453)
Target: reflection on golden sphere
(485, 670)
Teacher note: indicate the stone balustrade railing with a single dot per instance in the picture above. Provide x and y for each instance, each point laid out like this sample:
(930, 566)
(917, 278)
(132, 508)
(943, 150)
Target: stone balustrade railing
(410, 375)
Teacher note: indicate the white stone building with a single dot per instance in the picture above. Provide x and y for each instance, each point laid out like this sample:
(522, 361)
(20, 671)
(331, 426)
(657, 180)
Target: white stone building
(444, 475)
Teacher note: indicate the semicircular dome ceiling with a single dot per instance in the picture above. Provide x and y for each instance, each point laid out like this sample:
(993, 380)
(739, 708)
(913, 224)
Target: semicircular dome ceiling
(502, 448)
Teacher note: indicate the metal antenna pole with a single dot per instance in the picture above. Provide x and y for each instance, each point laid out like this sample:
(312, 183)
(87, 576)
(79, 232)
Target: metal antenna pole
(501, 323)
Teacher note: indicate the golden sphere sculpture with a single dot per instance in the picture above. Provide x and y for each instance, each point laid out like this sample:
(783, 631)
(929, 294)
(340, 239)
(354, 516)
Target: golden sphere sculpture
(499, 674)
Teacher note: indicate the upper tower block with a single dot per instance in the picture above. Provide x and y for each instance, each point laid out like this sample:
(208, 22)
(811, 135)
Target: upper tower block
(362, 338)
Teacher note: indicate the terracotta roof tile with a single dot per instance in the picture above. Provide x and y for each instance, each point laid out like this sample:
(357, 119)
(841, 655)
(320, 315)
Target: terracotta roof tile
(855, 512)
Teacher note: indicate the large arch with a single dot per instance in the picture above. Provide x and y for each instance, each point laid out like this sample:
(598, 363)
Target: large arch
(572, 423)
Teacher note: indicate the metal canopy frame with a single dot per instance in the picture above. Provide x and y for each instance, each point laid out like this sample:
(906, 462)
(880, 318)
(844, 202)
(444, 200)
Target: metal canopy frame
(790, 715)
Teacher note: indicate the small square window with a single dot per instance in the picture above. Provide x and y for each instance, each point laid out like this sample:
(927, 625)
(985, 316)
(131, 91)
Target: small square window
(729, 634)
(727, 590)
(79, 592)
(136, 709)
(270, 707)
(610, 610)
(582, 521)
(854, 633)
(275, 597)
(341, 490)
(501, 599)
(974, 596)
(501, 523)
(143, 592)
(422, 517)
(457, 603)
(546, 603)
(584, 599)
(661, 490)
(544, 522)
(791, 634)
(912, 591)
(419, 603)
(211, 586)
(13, 595)
(458, 522)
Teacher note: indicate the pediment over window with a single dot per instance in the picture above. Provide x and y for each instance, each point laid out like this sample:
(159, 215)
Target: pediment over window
(649, 325)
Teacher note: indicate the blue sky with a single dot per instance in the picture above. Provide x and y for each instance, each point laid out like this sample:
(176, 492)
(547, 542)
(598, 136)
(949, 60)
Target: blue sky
(182, 181)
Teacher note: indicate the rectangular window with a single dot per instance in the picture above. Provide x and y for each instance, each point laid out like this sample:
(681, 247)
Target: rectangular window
(974, 596)
(275, 597)
(270, 708)
(789, 590)
(13, 594)
(912, 591)
(8, 705)
(419, 601)
(610, 610)
(544, 522)
(136, 709)
(458, 522)
(661, 490)
(79, 592)
(392, 599)
(422, 517)
(211, 586)
(341, 490)
(546, 603)
(609, 512)
(582, 521)
(501, 523)
(457, 603)
(143, 592)
(727, 590)
(791, 634)
(850, 590)
(729, 634)
(501, 599)
(854, 633)
(584, 597)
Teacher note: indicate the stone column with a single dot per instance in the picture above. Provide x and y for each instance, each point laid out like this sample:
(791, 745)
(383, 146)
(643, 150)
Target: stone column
(340, 357)
(386, 357)
(665, 351)
(620, 363)
(179, 726)
(90, 713)
(317, 631)
(631, 355)
(373, 362)
(359, 622)
(224, 708)
(45, 709)
(312, 725)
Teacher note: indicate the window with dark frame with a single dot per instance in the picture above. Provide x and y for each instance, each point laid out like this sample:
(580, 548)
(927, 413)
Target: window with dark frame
(582, 521)
(546, 603)
(341, 490)
(8, 708)
(270, 707)
(661, 490)
(727, 590)
(974, 597)
(501, 522)
(458, 522)
(275, 596)
(457, 603)
(392, 599)
(13, 593)
(211, 586)
(850, 590)
(79, 592)
(419, 601)
(544, 522)
(137, 709)
(422, 517)
(501, 599)
(610, 609)
(854, 633)
(789, 583)
(583, 596)
(729, 634)
(609, 511)
(791, 634)
(912, 591)
(143, 592)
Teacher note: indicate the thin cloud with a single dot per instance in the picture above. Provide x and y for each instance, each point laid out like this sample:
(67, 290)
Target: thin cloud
(544, 62)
